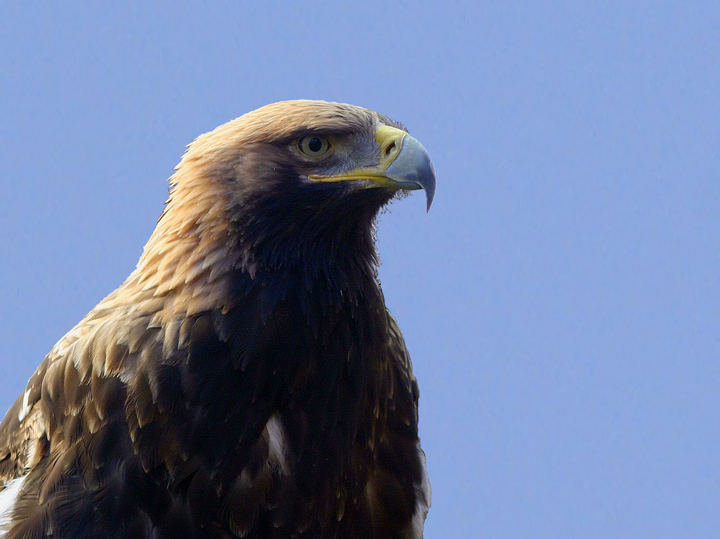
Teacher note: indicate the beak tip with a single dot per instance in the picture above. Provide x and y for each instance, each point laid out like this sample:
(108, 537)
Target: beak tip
(429, 196)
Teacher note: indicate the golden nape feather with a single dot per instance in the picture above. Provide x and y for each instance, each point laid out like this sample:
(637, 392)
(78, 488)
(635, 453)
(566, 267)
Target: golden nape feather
(247, 379)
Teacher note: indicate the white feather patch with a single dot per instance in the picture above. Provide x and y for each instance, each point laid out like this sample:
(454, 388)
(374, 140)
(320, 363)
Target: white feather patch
(276, 445)
(424, 498)
(25, 410)
(8, 496)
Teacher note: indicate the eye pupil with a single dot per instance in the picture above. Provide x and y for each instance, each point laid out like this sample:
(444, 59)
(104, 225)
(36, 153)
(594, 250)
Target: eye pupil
(315, 145)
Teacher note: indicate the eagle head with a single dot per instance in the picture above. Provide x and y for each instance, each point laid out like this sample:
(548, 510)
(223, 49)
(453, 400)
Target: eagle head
(295, 182)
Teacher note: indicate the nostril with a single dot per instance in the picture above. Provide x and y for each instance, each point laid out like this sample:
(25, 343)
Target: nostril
(391, 148)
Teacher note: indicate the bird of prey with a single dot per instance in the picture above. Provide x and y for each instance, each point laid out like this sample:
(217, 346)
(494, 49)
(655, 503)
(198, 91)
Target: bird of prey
(246, 380)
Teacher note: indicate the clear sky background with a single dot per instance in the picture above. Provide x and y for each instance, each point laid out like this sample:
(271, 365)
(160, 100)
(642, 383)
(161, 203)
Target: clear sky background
(561, 299)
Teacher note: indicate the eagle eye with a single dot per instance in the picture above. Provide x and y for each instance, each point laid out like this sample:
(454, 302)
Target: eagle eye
(314, 146)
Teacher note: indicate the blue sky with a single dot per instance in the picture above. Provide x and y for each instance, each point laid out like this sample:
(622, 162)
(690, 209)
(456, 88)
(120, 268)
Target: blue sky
(561, 299)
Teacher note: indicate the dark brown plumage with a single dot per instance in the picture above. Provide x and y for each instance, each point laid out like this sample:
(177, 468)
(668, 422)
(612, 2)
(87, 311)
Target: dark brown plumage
(247, 379)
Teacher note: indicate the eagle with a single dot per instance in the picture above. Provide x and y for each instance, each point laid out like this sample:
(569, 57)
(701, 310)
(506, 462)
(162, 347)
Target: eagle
(247, 379)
